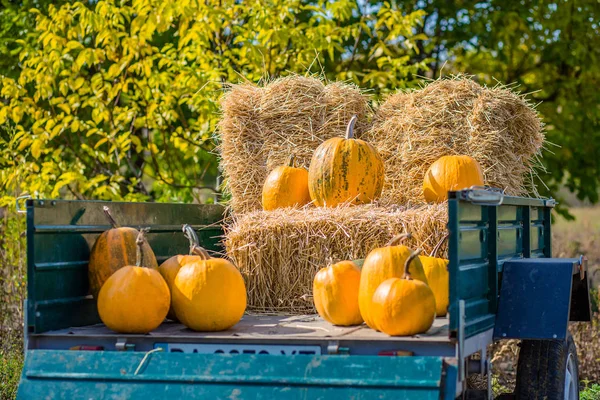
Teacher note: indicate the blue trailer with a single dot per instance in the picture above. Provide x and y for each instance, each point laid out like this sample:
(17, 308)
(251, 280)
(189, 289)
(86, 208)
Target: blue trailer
(504, 284)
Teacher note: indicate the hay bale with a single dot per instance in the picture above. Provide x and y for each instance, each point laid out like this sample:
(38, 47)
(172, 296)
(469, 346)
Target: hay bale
(279, 252)
(261, 126)
(496, 126)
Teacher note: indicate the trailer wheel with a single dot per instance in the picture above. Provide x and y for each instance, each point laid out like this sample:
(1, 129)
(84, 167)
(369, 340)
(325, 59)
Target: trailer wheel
(548, 369)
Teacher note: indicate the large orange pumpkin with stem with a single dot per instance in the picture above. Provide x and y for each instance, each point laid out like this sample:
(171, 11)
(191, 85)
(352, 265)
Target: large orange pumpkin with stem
(380, 265)
(438, 278)
(335, 293)
(450, 173)
(209, 294)
(403, 306)
(113, 250)
(345, 170)
(286, 186)
(134, 299)
(171, 266)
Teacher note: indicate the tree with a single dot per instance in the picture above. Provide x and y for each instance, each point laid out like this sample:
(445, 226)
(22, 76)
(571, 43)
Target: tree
(547, 48)
(120, 101)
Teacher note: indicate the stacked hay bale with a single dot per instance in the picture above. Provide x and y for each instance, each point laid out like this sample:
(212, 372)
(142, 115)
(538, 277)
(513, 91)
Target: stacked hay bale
(280, 251)
(262, 126)
(497, 127)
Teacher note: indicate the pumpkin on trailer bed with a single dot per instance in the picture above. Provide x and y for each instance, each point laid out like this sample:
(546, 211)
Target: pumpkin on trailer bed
(403, 306)
(135, 299)
(114, 249)
(286, 186)
(335, 293)
(438, 278)
(345, 170)
(171, 267)
(209, 294)
(450, 173)
(380, 265)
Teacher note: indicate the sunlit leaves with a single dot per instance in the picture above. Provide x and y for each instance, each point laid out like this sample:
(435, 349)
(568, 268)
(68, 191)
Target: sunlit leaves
(119, 100)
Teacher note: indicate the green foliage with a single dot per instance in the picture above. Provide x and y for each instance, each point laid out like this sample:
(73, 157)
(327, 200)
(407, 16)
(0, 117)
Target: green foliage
(11, 364)
(590, 391)
(547, 48)
(121, 101)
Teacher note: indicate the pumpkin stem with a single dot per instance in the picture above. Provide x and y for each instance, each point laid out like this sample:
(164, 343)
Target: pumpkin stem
(195, 248)
(111, 219)
(350, 128)
(139, 241)
(291, 160)
(410, 258)
(398, 239)
(439, 244)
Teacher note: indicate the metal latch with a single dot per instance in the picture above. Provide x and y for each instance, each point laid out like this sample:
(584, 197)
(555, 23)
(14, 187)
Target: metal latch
(485, 195)
(122, 345)
(334, 348)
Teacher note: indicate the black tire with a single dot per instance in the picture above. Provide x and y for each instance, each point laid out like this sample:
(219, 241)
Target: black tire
(542, 367)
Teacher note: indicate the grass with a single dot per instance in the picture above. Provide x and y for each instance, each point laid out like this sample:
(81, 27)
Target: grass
(590, 392)
(11, 364)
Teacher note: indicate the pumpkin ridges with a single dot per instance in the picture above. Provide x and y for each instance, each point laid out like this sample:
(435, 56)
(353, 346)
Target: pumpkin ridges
(335, 293)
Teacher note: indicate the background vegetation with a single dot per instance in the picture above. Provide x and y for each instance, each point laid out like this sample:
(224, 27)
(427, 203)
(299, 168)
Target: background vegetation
(118, 99)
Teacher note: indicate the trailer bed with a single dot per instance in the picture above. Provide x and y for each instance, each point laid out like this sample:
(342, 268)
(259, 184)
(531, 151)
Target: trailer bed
(275, 331)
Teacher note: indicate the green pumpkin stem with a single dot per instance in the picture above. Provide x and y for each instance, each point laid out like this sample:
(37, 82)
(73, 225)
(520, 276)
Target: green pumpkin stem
(439, 244)
(398, 239)
(195, 248)
(410, 259)
(291, 160)
(111, 219)
(350, 128)
(139, 241)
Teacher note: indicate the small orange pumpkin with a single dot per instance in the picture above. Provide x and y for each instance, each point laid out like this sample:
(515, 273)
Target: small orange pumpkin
(403, 306)
(134, 299)
(335, 292)
(286, 186)
(380, 265)
(113, 250)
(171, 267)
(345, 170)
(438, 279)
(450, 173)
(209, 294)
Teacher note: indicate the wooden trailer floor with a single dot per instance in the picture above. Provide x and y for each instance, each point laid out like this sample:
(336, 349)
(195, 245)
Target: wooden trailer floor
(272, 329)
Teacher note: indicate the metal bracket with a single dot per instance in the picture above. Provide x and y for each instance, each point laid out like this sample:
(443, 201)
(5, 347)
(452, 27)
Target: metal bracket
(485, 195)
(334, 348)
(19, 209)
(122, 345)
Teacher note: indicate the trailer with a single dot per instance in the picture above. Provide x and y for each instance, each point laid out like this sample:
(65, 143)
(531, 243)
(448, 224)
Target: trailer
(504, 284)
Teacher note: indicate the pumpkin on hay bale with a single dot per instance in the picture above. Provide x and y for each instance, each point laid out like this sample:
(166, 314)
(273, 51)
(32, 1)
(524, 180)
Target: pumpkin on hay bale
(262, 125)
(496, 126)
(279, 252)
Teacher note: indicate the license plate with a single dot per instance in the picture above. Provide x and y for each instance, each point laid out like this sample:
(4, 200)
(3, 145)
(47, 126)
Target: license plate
(285, 350)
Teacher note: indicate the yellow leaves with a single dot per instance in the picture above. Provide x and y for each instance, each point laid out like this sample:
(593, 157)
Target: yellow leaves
(17, 114)
(100, 143)
(65, 108)
(36, 148)
(3, 114)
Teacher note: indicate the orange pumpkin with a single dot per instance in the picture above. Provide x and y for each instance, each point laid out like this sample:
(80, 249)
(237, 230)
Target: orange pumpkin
(113, 250)
(209, 294)
(403, 306)
(286, 186)
(335, 292)
(171, 267)
(438, 278)
(134, 299)
(345, 170)
(450, 173)
(380, 265)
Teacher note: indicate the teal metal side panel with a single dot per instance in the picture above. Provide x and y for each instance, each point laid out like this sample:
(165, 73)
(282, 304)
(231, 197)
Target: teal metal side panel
(483, 237)
(61, 233)
(112, 375)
